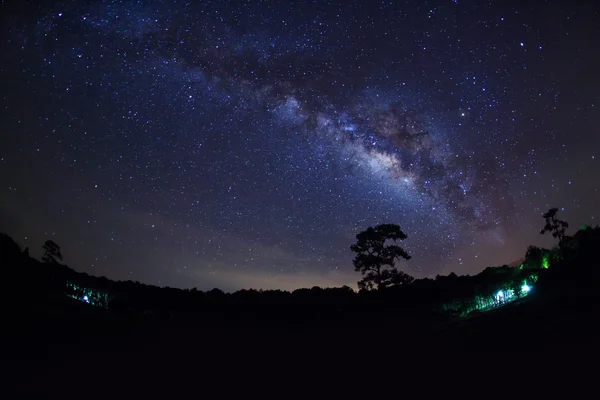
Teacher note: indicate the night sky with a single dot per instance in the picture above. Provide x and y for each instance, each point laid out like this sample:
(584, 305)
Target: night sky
(244, 144)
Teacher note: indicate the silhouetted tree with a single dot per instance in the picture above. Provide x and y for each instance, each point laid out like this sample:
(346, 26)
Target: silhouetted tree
(536, 258)
(555, 225)
(346, 289)
(516, 286)
(51, 252)
(375, 259)
(400, 278)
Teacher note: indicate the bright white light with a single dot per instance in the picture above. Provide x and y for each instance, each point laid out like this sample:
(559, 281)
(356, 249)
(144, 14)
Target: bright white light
(525, 288)
(85, 298)
(500, 296)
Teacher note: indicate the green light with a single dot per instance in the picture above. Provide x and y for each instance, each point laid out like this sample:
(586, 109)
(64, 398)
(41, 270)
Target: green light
(546, 261)
(87, 295)
(525, 288)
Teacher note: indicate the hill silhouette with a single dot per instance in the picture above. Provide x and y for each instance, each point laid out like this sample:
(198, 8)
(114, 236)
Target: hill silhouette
(59, 318)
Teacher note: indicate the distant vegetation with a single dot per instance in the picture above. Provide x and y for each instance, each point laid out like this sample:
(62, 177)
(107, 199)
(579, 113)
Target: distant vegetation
(568, 268)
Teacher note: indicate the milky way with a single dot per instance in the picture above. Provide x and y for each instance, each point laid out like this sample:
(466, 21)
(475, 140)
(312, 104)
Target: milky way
(238, 145)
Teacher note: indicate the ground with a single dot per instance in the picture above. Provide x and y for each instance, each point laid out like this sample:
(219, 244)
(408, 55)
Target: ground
(52, 348)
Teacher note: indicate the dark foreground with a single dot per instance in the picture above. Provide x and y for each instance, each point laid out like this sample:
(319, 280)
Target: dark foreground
(52, 348)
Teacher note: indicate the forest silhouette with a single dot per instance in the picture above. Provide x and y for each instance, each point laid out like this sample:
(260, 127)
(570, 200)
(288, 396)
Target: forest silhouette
(384, 290)
(93, 326)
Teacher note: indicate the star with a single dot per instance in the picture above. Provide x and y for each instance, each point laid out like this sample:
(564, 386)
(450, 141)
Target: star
(258, 139)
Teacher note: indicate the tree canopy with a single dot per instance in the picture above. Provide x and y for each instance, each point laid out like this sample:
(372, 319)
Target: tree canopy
(376, 254)
(51, 252)
(554, 225)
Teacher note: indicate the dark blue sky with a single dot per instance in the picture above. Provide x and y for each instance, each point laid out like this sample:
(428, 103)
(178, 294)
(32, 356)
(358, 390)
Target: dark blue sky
(244, 145)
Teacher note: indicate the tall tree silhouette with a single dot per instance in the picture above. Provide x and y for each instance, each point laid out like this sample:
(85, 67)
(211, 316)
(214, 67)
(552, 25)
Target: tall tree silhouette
(51, 252)
(555, 225)
(375, 257)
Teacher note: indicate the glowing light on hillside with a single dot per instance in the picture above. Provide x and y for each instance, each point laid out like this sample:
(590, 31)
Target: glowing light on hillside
(546, 261)
(500, 296)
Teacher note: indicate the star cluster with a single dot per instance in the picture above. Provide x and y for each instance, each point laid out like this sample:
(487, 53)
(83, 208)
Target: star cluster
(244, 144)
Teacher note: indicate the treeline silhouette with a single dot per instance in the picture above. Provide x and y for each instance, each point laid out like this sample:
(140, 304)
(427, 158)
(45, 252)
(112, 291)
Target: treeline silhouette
(569, 269)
